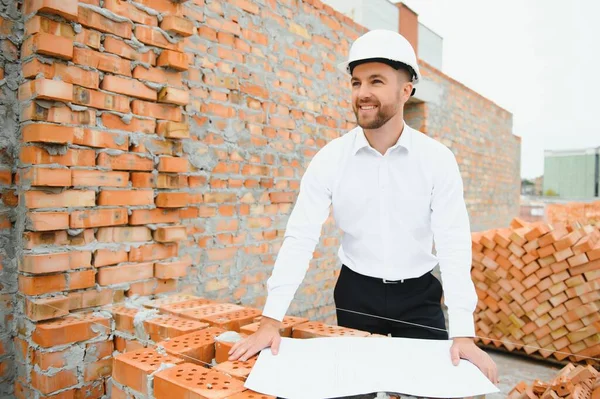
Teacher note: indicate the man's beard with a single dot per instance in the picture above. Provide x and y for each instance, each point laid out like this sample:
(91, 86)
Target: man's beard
(384, 114)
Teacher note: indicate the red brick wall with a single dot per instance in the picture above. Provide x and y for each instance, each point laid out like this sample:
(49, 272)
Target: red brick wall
(161, 150)
(10, 39)
(479, 133)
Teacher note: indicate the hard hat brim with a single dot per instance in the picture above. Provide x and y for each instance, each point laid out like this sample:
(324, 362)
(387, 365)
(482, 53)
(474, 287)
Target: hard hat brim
(344, 67)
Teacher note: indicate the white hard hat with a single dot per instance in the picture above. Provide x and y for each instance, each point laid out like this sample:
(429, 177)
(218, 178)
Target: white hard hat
(382, 44)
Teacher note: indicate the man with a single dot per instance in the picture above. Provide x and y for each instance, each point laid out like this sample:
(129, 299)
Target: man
(394, 192)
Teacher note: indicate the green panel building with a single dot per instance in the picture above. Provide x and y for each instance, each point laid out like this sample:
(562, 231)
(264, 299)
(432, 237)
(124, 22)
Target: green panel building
(572, 173)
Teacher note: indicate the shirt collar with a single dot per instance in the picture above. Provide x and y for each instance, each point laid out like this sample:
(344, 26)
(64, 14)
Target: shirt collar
(405, 139)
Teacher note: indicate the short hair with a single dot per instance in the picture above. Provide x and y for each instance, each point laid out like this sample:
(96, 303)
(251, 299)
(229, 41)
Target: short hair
(400, 66)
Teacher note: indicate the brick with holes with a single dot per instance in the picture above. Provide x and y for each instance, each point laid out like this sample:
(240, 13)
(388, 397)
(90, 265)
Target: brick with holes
(165, 327)
(313, 329)
(237, 369)
(133, 369)
(224, 343)
(203, 312)
(197, 347)
(123, 317)
(233, 321)
(285, 330)
(191, 381)
(177, 307)
(171, 299)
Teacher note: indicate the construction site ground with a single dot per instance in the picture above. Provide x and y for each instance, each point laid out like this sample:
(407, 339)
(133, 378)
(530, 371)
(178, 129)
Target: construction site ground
(513, 368)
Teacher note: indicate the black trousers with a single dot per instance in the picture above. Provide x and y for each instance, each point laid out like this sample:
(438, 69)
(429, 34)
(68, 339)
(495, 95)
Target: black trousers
(367, 303)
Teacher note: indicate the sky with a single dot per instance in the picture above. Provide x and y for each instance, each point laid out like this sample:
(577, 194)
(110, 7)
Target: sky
(538, 59)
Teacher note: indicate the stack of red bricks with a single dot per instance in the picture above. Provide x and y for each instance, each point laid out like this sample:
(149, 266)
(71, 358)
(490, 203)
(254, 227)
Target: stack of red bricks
(573, 382)
(165, 348)
(581, 212)
(539, 289)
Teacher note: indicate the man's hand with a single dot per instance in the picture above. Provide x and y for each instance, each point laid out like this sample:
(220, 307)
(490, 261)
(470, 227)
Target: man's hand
(267, 335)
(465, 348)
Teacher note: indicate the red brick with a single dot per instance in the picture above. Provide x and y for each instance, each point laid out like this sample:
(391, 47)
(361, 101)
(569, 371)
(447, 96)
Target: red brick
(170, 234)
(47, 221)
(122, 49)
(157, 147)
(89, 38)
(153, 37)
(5, 177)
(151, 252)
(173, 96)
(173, 130)
(124, 234)
(173, 59)
(143, 180)
(124, 318)
(100, 139)
(46, 308)
(97, 218)
(133, 369)
(128, 10)
(168, 270)
(189, 379)
(64, 8)
(578, 260)
(196, 347)
(152, 287)
(91, 19)
(90, 178)
(62, 115)
(126, 197)
(171, 181)
(171, 200)
(313, 329)
(177, 25)
(102, 61)
(82, 279)
(122, 274)
(47, 384)
(173, 164)
(45, 89)
(166, 327)
(106, 257)
(71, 329)
(166, 7)
(245, 5)
(46, 177)
(125, 162)
(46, 133)
(138, 125)
(97, 99)
(233, 321)
(146, 216)
(97, 370)
(285, 330)
(237, 369)
(159, 111)
(41, 24)
(50, 45)
(128, 87)
(69, 198)
(37, 285)
(158, 75)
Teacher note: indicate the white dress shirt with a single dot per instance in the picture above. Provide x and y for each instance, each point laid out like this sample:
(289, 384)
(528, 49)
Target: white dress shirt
(390, 209)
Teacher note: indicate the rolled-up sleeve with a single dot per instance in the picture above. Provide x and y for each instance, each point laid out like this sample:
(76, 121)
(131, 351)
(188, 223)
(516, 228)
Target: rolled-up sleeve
(302, 234)
(452, 237)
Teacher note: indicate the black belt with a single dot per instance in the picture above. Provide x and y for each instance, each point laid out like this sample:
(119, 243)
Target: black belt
(383, 280)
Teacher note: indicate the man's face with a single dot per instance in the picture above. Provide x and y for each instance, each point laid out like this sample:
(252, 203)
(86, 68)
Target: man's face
(377, 94)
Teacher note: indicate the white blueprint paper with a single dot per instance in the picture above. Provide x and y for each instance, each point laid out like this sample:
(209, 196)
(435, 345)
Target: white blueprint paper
(320, 368)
